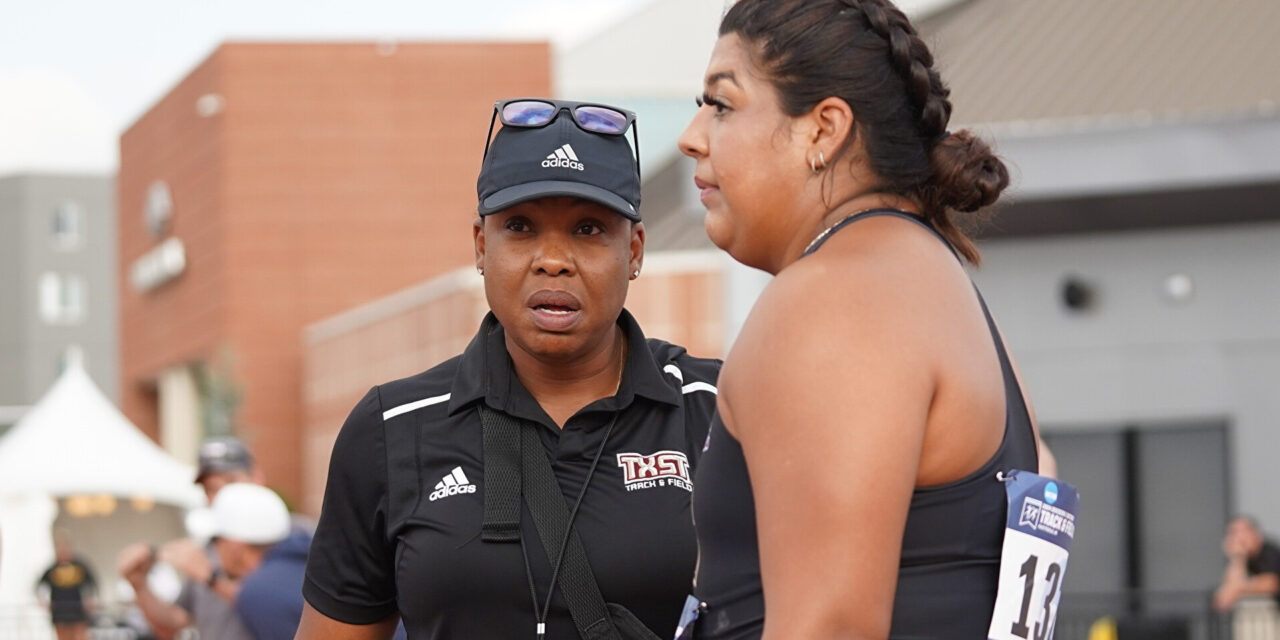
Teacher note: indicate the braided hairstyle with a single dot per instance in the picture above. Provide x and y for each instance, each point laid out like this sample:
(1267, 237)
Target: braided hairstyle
(868, 54)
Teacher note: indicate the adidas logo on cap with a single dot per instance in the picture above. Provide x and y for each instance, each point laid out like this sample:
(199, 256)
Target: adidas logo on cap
(563, 157)
(453, 484)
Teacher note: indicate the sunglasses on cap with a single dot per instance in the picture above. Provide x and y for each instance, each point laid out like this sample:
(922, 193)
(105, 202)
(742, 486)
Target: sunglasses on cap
(532, 113)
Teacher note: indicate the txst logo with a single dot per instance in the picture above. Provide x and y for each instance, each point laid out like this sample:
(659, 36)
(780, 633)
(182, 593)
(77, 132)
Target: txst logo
(563, 157)
(661, 469)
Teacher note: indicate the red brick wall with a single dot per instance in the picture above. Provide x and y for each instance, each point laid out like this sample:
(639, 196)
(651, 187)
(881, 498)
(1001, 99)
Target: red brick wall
(183, 320)
(336, 174)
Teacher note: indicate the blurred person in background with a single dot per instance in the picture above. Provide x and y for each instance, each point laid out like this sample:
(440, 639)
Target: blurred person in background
(558, 240)
(207, 591)
(263, 555)
(1253, 565)
(68, 589)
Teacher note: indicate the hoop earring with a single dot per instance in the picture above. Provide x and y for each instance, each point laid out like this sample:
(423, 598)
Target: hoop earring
(818, 165)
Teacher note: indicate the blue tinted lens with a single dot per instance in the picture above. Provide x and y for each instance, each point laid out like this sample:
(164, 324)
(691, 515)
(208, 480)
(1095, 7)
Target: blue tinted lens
(601, 119)
(528, 113)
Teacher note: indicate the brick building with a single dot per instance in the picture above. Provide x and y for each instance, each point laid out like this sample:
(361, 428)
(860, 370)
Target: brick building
(278, 184)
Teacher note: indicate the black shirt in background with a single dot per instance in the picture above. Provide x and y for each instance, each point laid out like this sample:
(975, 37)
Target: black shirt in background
(399, 531)
(1267, 560)
(68, 582)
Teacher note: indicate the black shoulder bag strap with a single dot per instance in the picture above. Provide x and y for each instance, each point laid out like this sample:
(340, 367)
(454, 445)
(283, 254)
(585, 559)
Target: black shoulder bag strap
(503, 436)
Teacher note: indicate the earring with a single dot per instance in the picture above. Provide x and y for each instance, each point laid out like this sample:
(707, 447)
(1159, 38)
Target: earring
(480, 270)
(819, 164)
(635, 274)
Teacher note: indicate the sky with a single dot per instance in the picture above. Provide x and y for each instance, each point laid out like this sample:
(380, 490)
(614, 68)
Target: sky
(76, 73)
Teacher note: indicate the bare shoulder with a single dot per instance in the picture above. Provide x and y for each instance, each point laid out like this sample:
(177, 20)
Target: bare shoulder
(858, 312)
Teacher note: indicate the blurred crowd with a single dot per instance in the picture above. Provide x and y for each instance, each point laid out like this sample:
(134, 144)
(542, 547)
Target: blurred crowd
(237, 577)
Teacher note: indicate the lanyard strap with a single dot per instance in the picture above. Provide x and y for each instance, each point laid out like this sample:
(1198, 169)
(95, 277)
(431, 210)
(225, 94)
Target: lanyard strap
(551, 517)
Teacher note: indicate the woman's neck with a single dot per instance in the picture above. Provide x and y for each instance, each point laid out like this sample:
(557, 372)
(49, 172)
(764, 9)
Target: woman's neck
(563, 388)
(802, 240)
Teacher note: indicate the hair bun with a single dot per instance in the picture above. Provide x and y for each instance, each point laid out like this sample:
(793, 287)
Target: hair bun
(967, 176)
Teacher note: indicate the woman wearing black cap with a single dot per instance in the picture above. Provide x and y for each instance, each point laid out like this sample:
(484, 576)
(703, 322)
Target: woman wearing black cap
(422, 517)
(854, 484)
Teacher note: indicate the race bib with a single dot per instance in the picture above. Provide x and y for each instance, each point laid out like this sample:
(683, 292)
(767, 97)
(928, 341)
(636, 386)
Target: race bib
(689, 615)
(1038, 532)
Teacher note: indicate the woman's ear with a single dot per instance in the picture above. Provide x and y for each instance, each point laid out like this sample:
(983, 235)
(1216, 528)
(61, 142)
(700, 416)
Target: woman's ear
(637, 247)
(477, 234)
(831, 125)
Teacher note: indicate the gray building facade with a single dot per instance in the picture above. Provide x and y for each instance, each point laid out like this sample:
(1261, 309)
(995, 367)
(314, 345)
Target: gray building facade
(58, 284)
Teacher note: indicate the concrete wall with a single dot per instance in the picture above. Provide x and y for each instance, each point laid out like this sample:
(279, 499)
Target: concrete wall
(16, 296)
(1181, 370)
(31, 348)
(93, 261)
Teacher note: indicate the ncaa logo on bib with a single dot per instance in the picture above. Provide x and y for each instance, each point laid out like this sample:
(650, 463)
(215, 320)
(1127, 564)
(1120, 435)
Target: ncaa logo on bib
(1051, 493)
(661, 469)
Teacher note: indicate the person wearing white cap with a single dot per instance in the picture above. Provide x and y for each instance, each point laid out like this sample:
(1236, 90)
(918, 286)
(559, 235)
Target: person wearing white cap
(262, 551)
(204, 602)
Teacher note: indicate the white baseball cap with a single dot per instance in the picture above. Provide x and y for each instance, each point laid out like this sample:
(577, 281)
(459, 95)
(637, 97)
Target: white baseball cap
(250, 513)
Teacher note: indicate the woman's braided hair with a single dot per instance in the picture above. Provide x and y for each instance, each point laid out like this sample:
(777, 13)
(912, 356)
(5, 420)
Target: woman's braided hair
(867, 53)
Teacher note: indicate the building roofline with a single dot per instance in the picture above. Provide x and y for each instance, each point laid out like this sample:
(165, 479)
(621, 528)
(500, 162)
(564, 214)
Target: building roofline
(1136, 153)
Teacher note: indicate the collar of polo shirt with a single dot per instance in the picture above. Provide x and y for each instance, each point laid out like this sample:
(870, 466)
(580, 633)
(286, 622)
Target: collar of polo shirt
(485, 372)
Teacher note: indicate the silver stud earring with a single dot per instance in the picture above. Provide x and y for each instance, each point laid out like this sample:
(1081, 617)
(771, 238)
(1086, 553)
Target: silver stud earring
(635, 274)
(480, 270)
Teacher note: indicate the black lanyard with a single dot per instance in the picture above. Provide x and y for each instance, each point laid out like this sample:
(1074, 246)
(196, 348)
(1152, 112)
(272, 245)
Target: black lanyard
(540, 615)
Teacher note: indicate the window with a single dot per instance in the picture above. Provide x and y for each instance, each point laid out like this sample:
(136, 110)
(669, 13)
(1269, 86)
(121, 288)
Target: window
(62, 298)
(68, 226)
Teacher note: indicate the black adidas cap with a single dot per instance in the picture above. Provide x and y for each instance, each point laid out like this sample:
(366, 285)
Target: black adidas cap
(559, 159)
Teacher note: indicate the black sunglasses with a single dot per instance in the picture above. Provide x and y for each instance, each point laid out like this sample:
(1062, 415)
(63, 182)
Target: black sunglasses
(531, 113)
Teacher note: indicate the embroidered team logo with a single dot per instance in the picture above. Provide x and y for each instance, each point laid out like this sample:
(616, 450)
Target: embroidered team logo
(661, 469)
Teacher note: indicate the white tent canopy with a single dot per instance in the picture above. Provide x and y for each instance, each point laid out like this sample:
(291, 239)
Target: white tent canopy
(74, 441)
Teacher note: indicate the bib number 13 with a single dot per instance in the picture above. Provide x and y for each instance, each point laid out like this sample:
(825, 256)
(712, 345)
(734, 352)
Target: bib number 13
(1033, 562)
(1053, 576)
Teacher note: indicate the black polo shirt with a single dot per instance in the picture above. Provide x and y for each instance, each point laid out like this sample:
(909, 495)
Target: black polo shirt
(400, 527)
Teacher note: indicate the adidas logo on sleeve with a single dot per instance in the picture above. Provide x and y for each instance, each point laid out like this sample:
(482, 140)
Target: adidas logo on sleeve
(454, 483)
(563, 157)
